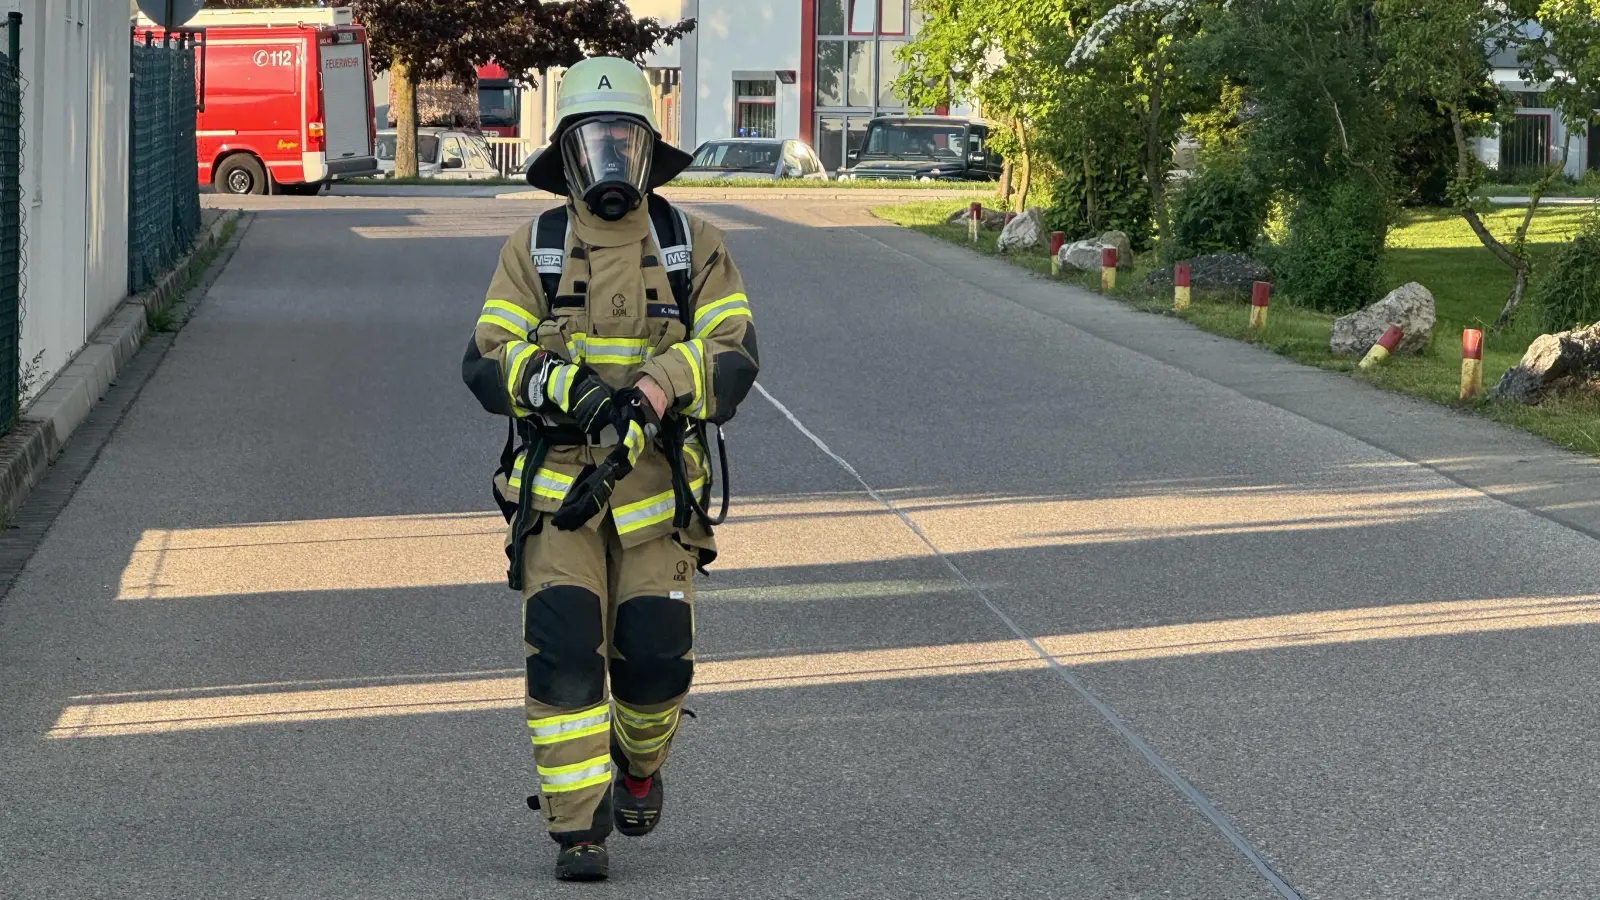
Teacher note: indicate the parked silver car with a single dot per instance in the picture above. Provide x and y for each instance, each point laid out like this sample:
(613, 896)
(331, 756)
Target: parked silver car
(755, 159)
(442, 153)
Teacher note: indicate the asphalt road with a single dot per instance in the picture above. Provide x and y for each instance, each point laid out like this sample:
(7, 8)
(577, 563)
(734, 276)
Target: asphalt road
(1024, 596)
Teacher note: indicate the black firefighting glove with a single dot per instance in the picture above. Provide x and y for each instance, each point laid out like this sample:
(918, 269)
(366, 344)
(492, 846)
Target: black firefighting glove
(592, 491)
(637, 423)
(577, 391)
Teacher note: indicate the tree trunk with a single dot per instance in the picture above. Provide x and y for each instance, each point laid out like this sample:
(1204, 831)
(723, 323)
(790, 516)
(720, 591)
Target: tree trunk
(1518, 288)
(1155, 169)
(1027, 181)
(405, 119)
(1515, 257)
(1091, 196)
(1005, 182)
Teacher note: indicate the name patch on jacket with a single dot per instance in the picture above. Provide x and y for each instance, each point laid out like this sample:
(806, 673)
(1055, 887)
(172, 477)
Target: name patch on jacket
(661, 310)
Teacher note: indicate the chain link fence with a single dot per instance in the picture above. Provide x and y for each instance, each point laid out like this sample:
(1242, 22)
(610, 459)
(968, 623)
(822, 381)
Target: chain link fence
(10, 223)
(163, 189)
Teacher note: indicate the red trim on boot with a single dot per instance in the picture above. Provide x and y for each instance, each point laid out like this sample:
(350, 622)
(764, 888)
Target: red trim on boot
(639, 788)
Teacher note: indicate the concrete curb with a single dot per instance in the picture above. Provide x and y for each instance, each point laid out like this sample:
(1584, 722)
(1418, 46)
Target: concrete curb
(51, 419)
(867, 196)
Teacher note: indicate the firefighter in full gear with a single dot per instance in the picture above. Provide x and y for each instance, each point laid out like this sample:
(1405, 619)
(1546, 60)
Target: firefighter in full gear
(615, 332)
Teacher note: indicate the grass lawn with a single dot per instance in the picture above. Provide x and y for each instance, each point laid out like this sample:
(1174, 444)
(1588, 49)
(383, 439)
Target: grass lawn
(1433, 247)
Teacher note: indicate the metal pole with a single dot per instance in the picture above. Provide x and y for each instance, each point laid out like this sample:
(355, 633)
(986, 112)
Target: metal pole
(14, 38)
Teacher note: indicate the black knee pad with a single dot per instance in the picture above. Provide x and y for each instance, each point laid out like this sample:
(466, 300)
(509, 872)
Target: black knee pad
(651, 634)
(564, 624)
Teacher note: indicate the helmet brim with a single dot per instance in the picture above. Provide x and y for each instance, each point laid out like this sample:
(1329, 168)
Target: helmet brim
(547, 174)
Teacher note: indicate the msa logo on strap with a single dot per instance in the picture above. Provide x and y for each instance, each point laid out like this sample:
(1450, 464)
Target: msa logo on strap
(548, 261)
(676, 258)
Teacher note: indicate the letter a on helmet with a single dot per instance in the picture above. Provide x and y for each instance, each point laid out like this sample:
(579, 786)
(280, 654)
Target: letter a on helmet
(600, 97)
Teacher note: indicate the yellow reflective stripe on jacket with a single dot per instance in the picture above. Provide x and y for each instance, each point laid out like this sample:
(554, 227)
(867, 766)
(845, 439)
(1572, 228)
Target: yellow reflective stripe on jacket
(518, 353)
(696, 455)
(650, 510)
(507, 315)
(709, 317)
(576, 777)
(608, 351)
(694, 353)
(546, 482)
(571, 726)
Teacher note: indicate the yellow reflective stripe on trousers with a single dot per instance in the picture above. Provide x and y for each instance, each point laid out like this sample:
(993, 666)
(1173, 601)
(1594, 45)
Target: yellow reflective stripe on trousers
(603, 351)
(707, 318)
(571, 726)
(518, 353)
(546, 482)
(649, 511)
(637, 719)
(577, 776)
(694, 353)
(507, 315)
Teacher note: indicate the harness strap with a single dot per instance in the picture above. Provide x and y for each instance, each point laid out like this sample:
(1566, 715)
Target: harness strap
(549, 250)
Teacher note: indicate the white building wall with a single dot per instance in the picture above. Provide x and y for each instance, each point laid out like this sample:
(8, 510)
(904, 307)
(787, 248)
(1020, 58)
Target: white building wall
(731, 41)
(75, 59)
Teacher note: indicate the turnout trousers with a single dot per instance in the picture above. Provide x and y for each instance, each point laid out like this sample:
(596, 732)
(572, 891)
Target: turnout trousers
(596, 615)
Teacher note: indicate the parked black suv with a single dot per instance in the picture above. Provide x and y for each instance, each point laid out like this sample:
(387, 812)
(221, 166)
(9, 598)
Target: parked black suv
(925, 148)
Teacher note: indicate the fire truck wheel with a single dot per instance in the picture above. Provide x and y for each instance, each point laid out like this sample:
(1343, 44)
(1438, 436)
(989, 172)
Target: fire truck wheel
(241, 174)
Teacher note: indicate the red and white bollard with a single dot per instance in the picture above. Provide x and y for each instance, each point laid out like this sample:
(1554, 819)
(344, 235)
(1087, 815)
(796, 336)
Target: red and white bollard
(974, 220)
(1058, 240)
(1260, 296)
(1108, 269)
(1381, 350)
(1471, 363)
(1180, 290)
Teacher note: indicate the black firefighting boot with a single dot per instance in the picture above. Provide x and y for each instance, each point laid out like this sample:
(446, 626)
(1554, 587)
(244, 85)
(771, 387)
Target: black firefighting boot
(583, 861)
(636, 802)
(583, 854)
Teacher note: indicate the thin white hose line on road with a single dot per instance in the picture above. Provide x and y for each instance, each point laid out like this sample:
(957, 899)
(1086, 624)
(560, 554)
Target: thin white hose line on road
(1110, 715)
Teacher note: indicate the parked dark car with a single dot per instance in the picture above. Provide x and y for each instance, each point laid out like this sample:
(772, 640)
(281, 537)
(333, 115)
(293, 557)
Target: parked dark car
(925, 148)
(754, 159)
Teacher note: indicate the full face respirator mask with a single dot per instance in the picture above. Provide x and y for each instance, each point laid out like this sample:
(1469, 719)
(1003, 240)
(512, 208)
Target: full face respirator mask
(607, 163)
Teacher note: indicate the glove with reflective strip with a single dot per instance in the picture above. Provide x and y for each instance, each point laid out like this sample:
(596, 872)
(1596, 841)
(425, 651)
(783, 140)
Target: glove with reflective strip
(638, 424)
(575, 390)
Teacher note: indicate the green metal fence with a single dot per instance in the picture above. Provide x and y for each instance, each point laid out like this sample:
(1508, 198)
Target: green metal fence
(10, 223)
(163, 189)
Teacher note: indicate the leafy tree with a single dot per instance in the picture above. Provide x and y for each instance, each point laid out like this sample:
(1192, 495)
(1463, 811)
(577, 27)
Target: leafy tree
(1133, 52)
(419, 40)
(1442, 51)
(1006, 55)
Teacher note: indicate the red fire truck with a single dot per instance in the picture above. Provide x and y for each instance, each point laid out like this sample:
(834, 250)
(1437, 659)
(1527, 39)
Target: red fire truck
(499, 102)
(287, 99)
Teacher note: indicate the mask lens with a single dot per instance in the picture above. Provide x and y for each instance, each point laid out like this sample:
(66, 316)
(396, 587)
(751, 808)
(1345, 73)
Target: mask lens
(607, 150)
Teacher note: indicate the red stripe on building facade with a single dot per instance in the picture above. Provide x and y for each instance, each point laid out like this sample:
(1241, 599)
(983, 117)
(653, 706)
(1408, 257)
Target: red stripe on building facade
(808, 71)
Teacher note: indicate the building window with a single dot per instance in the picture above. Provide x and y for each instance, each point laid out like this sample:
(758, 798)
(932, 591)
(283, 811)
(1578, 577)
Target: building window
(755, 111)
(889, 69)
(892, 18)
(1530, 99)
(859, 89)
(830, 17)
(863, 16)
(830, 73)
